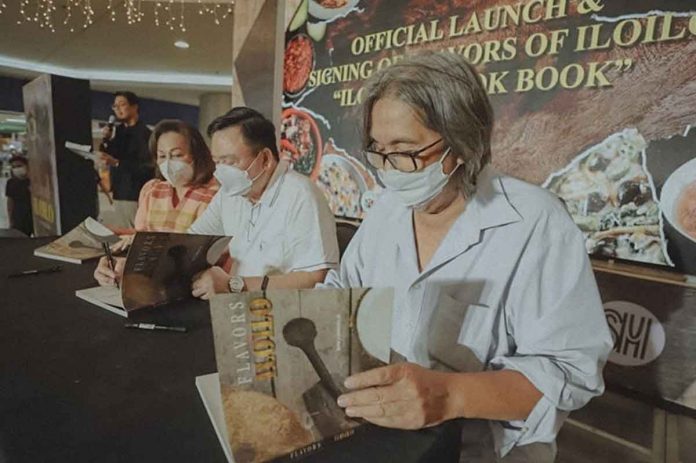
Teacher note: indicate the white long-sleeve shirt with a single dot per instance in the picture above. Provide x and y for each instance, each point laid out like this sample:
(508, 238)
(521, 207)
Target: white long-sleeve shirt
(510, 287)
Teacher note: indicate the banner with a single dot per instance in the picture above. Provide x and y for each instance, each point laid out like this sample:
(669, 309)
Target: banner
(43, 169)
(594, 100)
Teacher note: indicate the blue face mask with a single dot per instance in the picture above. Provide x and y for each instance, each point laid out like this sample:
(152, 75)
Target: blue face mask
(417, 189)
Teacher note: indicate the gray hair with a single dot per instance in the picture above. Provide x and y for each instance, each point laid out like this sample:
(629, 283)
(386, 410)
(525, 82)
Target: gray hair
(445, 92)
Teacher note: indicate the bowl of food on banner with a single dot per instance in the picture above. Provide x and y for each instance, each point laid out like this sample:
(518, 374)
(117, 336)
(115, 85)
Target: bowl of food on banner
(678, 199)
(343, 185)
(298, 64)
(300, 142)
(329, 9)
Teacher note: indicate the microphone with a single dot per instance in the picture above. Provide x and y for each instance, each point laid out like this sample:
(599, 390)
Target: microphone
(110, 124)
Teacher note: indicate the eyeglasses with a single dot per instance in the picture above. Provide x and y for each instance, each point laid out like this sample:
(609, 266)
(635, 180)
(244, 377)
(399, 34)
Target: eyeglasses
(404, 161)
(119, 106)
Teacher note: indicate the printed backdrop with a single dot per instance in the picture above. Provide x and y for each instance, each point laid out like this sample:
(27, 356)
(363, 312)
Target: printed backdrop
(594, 101)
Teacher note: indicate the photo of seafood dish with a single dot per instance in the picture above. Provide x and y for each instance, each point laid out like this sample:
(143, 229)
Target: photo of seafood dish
(678, 199)
(300, 141)
(298, 64)
(342, 185)
(611, 196)
(329, 9)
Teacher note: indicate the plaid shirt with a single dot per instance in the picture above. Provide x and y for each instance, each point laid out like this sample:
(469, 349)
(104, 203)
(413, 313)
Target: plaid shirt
(160, 210)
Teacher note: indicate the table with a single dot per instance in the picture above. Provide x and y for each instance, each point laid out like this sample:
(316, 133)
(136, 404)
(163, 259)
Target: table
(76, 386)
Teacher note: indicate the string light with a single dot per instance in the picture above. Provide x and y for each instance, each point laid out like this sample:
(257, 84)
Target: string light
(165, 12)
(112, 11)
(214, 10)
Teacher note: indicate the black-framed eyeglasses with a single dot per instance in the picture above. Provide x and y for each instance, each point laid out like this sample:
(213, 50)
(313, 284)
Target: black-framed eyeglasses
(404, 161)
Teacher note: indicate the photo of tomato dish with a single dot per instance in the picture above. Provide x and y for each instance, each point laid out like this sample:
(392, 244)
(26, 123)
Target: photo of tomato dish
(678, 199)
(686, 210)
(298, 64)
(300, 141)
(332, 3)
(329, 9)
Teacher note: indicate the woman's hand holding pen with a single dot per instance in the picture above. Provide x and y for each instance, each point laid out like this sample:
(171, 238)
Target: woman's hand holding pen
(107, 277)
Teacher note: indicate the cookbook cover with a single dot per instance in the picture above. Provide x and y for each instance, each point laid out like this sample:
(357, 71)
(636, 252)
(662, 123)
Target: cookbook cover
(282, 358)
(80, 244)
(159, 269)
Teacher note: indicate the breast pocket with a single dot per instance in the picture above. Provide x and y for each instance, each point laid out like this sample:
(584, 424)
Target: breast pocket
(462, 334)
(272, 253)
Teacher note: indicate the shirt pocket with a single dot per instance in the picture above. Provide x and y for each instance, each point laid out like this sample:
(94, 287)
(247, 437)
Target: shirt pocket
(478, 331)
(462, 334)
(271, 251)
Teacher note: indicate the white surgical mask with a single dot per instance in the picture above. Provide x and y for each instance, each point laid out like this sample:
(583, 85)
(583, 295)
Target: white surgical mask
(416, 189)
(19, 172)
(178, 173)
(235, 181)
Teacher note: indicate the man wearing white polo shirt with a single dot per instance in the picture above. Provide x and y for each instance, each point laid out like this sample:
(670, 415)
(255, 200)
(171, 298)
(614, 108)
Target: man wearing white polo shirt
(283, 232)
(284, 235)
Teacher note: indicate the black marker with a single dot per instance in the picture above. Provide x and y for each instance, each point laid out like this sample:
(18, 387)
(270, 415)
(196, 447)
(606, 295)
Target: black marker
(112, 263)
(152, 326)
(32, 272)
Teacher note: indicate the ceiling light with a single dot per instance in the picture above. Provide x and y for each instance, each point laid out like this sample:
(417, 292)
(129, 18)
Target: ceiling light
(181, 44)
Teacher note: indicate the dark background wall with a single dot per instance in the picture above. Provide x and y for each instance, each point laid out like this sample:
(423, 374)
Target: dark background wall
(151, 111)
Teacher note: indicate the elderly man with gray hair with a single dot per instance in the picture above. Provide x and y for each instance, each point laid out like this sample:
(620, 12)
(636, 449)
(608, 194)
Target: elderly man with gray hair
(496, 311)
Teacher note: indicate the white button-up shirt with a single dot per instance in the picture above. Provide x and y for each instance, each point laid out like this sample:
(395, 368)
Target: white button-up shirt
(290, 229)
(510, 287)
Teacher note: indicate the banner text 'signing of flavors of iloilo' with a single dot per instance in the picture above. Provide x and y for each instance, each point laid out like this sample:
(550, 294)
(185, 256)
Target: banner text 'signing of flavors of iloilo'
(595, 100)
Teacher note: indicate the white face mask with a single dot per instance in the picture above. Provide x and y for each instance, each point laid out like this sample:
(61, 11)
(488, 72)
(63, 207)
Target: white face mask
(235, 181)
(178, 173)
(19, 172)
(416, 189)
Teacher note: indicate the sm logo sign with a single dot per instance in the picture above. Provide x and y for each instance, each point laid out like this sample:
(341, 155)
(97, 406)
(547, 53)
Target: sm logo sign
(639, 337)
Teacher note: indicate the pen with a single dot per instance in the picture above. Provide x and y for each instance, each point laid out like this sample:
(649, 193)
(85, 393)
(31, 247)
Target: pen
(152, 326)
(27, 273)
(110, 258)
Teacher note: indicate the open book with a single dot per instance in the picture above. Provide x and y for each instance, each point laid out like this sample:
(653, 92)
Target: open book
(159, 269)
(282, 359)
(80, 244)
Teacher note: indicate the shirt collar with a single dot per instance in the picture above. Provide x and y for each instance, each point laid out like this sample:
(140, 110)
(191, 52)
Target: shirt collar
(272, 190)
(488, 208)
(492, 202)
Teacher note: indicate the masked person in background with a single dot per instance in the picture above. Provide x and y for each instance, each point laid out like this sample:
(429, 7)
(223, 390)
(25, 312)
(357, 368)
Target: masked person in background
(283, 232)
(181, 190)
(19, 196)
(126, 154)
(496, 307)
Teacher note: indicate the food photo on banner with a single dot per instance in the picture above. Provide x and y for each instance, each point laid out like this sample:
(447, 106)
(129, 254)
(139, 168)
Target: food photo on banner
(594, 100)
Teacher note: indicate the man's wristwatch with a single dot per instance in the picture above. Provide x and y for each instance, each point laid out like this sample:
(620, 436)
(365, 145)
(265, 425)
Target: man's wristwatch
(236, 284)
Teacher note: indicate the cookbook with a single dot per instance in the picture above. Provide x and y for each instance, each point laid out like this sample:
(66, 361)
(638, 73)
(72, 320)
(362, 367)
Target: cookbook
(282, 359)
(159, 269)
